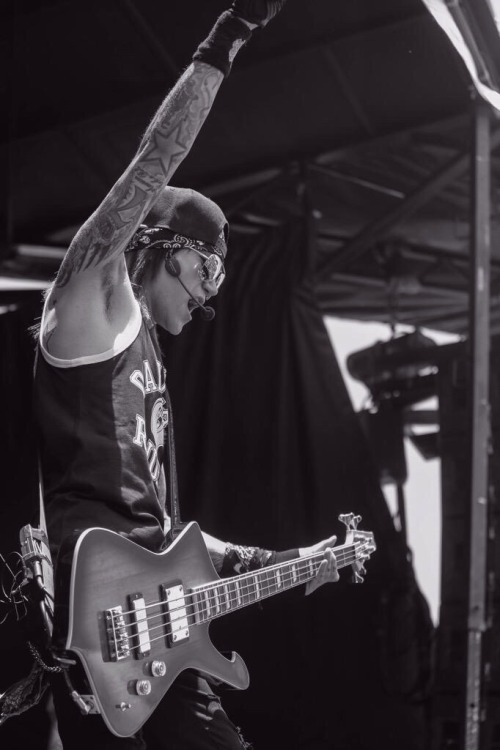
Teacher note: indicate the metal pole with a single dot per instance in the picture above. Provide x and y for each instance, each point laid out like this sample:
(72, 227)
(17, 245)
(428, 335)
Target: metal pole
(480, 345)
(402, 511)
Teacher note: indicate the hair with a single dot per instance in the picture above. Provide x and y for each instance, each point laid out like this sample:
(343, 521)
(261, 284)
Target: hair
(35, 328)
(143, 264)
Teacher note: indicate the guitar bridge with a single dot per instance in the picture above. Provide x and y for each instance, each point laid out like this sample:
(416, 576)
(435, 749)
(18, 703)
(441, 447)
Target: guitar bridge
(118, 637)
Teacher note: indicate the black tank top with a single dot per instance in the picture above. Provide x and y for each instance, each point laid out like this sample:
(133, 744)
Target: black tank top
(101, 421)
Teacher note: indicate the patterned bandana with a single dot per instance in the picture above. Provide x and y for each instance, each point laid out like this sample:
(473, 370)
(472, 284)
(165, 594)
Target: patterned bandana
(166, 239)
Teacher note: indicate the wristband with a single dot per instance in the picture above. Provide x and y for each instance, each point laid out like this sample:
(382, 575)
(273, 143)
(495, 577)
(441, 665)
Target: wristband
(220, 47)
(240, 559)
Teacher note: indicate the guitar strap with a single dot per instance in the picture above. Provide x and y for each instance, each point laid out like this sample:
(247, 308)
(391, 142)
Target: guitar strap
(176, 525)
(173, 491)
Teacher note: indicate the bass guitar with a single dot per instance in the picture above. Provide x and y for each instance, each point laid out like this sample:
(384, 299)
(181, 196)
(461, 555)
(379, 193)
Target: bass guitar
(138, 618)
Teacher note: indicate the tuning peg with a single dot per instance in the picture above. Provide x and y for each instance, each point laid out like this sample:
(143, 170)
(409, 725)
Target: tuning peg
(358, 578)
(346, 519)
(350, 520)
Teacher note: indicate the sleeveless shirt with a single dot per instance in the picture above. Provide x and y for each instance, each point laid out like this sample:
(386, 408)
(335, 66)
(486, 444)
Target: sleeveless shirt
(101, 422)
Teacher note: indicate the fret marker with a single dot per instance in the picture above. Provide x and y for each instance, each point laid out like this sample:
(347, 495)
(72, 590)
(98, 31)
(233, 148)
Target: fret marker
(257, 588)
(294, 573)
(278, 579)
(207, 600)
(238, 593)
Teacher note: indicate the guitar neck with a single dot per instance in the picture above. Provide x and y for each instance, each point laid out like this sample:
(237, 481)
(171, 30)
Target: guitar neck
(225, 595)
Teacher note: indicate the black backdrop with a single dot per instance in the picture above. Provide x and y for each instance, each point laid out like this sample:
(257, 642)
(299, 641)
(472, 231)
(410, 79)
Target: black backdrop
(269, 453)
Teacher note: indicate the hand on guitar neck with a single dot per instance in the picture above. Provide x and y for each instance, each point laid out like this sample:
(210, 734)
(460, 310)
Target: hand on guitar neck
(327, 571)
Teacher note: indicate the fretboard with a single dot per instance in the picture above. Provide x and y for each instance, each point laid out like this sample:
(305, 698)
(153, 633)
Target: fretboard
(225, 595)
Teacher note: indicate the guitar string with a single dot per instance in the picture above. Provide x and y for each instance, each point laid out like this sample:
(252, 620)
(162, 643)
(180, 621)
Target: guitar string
(302, 564)
(229, 606)
(341, 553)
(245, 583)
(342, 561)
(168, 633)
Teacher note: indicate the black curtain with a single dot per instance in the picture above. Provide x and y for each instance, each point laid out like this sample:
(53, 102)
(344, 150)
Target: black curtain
(270, 452)
(19, 505)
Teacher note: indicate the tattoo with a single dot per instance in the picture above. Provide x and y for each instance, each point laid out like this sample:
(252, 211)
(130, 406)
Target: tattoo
(165, 144)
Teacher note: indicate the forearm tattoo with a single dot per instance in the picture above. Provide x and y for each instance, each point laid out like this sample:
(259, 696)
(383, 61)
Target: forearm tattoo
(241, 559)
(165, 144)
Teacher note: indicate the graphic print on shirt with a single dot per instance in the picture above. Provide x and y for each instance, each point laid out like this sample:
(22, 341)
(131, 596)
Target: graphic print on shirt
(150, 426)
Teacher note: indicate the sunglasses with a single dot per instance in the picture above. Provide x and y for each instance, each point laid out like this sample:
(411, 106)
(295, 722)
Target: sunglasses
(212, 268)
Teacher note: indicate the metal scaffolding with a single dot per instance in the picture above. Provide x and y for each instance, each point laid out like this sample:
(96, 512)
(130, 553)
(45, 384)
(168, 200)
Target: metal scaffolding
(480, 420)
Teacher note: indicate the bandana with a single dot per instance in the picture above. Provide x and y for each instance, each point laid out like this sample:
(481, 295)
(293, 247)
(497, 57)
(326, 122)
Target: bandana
(166, 239)
(172, 242)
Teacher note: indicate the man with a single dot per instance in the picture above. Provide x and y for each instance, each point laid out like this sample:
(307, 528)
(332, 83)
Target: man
(149, 255)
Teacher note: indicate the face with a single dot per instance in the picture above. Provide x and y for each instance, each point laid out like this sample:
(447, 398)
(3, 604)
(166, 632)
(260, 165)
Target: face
(170, 304)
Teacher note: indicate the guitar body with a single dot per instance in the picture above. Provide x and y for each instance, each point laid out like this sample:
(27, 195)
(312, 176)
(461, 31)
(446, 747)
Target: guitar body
(110, 572)
(138, 618)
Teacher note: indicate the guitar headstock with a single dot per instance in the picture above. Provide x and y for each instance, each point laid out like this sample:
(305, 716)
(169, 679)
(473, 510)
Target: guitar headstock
(363, 542)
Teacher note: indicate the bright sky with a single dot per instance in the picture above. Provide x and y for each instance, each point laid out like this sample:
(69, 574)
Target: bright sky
(423, 488)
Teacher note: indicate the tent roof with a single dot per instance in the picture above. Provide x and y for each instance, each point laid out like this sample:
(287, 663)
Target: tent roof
(362, 107)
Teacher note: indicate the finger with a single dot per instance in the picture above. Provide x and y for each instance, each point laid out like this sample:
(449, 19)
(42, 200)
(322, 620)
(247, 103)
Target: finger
(323, 568)
(319, 579)
(331, 569)
(330, 542)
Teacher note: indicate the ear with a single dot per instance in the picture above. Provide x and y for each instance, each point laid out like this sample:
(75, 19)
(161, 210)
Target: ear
(172, 266)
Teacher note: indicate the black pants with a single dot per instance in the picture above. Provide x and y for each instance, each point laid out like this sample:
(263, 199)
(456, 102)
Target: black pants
(190, 717)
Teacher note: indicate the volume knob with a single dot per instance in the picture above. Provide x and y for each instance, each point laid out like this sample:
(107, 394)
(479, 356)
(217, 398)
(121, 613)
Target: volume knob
(143, 687)
(158, 668)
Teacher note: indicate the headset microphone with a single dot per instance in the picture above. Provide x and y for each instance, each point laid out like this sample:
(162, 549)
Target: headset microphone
(174, 269)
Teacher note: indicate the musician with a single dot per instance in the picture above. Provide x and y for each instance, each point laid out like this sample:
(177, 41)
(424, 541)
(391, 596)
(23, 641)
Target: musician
(150, 255)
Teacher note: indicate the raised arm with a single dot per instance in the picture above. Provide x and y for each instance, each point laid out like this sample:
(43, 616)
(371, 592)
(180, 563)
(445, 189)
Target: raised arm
(167, 142)
(93, 268)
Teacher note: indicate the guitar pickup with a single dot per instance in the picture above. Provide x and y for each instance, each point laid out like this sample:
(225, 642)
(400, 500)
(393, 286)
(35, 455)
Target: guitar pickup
(176, 614)
(138, 615)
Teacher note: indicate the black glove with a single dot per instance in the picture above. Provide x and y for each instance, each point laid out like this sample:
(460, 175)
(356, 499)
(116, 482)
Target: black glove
(257, 11)
(231, 32)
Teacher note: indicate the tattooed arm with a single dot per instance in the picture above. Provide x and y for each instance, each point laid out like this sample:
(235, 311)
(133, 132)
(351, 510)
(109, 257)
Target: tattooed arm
(92, 302)
(167, 142)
